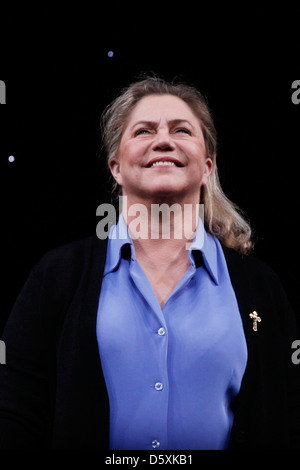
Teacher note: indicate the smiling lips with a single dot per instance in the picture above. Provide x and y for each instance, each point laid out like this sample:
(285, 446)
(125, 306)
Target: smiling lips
(164, 162)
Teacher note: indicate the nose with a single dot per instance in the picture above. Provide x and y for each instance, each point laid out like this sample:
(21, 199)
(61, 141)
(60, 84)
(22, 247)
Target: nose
(163, 142)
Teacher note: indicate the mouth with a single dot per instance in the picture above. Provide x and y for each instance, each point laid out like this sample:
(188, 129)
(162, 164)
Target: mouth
(159, 162)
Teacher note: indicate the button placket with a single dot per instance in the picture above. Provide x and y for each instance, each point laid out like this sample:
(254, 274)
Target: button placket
(160, 385)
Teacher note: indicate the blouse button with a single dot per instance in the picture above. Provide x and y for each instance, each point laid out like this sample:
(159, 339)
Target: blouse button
(155, 444)
(158, 386)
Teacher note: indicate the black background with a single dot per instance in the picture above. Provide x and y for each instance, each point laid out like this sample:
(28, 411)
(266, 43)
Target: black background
(59, 78)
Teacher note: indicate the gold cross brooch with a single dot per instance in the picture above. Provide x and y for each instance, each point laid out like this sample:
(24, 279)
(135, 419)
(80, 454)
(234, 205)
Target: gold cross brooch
(255, 318)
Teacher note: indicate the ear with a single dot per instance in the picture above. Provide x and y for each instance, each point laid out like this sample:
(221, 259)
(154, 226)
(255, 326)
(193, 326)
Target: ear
(207, 170)
(114, 166)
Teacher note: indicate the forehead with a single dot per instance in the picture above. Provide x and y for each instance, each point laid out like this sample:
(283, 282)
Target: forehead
(158, 107)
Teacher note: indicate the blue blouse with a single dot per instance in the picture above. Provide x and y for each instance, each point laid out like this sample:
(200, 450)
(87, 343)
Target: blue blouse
(171, 372)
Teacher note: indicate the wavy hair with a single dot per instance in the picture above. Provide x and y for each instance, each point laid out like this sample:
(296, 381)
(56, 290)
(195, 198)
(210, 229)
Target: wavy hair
(222, 218)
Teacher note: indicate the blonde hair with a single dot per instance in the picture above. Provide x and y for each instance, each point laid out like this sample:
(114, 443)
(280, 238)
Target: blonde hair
(222, 218)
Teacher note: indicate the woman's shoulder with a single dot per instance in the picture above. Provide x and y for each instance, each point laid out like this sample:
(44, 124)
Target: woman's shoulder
(62, 267)
(77, 252)
(250, 263)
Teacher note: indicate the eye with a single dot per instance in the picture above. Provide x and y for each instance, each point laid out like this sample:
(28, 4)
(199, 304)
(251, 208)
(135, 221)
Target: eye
(142, 131)
(183, 130)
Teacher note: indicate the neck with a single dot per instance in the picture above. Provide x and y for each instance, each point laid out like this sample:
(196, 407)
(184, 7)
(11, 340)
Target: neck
(161, 228)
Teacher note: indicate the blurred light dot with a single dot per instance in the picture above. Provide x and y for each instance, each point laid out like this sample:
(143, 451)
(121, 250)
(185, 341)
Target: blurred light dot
(11, 158)
(110, 54)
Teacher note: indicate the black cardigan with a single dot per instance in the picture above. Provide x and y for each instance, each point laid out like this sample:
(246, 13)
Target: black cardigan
(52, 389)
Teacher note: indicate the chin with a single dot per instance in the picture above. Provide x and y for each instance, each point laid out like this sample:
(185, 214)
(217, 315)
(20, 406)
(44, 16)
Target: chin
(170, 191)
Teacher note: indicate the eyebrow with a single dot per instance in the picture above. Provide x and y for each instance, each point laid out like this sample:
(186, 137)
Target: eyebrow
(172, 122)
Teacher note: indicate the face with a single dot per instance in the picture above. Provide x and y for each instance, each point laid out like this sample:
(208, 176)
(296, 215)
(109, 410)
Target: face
(162, 151)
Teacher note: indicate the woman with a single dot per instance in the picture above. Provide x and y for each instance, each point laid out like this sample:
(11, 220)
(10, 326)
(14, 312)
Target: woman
(146, 341)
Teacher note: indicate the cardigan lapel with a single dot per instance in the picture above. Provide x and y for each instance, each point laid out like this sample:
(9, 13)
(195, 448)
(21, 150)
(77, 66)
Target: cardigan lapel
(95, 404)
(244, 293)
(246, 302)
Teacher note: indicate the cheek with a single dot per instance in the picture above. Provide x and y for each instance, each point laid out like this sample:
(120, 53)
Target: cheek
(195, 151)
(132, 153)
(198, 160)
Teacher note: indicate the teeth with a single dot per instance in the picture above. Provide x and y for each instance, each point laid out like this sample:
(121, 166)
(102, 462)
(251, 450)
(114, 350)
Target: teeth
(163, 163)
